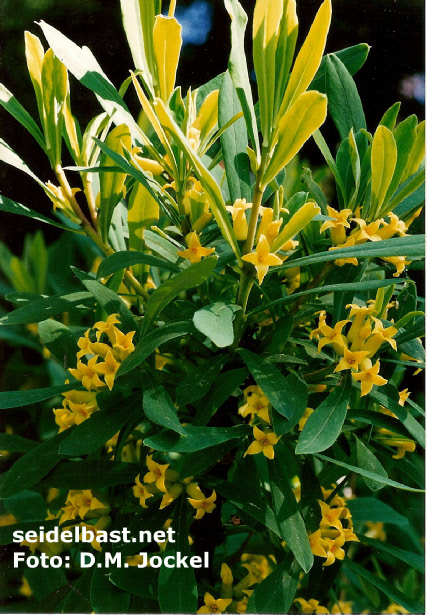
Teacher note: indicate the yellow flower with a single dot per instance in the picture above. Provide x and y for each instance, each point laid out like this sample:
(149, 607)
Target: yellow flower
(369, 376)
(391, 228)
(330, 516)
(310, 606)
(351, 360)
(214, 606)
(123, 343)
(338, 224)
(334, 336)
(195, 251)
(342, 607)
(380, 335)
(240, 224)
(64, 418)
(399, 262)
(375, 530)
(202, 506)
(156, 474)
(403, 396)
(368, 232)
(264, 443)
(86, 502)
(140, 491)
(79, 412)
(25, 589)
(257, 404)
(394, 609)
(84, 344)
(71, 510)
(262, 258)
(109, 368)
(333, 548)
(403, 445)
(87, 374)
(107, 327)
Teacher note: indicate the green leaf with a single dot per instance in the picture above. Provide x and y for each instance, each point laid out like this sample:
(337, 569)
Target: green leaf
(373, 417)
(372, 509)
(238, 69)
(26, 506)
(41, 309)
(93, 433)
(91, 474)
(196, 438)
(271, 381)
(162, 296)
(387, 588)
(216, 322)
(343, 99)
(390, 116)
(225, 384)
(367, 461)
(195, 463)
(337, 288)
(111, 303)
(106, 597)
(12, 207)
(7, 531)
(32, 467)
(59, 340)
(16, 444)
(158, 406)
(353, 59)
(283, 329)
(397, 246)
(367, 474)
(276, 592)
(288, 517)
(414, 560)
(177, 586)
(234, 142)
(296, 399)
(404, 135)
(324, 426)
(138, 581)
(16, 399)
(9, 102)
(199, 380)
(148, 344)
(249, 502)
(124, 259)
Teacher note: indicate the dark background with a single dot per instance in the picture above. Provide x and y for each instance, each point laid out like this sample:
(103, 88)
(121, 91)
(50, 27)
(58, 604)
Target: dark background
(393, 28)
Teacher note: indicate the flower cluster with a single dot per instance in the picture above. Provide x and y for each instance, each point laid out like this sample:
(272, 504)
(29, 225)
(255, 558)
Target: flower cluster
(335, 528)
(358, 346)
(363, 232)
(258, 407)
(83, 504)
(77, 405)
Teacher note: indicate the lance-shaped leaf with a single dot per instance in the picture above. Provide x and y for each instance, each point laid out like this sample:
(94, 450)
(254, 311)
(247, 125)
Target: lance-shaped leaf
(309, 57)
(9, 102)
(353, 59)
(276, 592)
(286, 41)
(324, 425)
(297, 125)
(417, 152)
(143, 210)
(111, 184)
(343, 98)
(298, 221)
(167, 43)
(383, 163)
(132, 23)
(405, 136)
(189, 278)
(207, 117)
(54, 90)
(12, 207)
(234, 142)
(239, 69)
(34, 54)
(267, 17)
(208, 182)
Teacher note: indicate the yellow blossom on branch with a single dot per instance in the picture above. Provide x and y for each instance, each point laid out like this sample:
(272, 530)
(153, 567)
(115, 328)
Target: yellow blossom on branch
(264, 443)
(141, 492)
(109, 369)
(195, 251)
(262, 258)
(310, 606)
(214, 606)
(369, 376)
(156, 474)
(203, 506)
(87, 374)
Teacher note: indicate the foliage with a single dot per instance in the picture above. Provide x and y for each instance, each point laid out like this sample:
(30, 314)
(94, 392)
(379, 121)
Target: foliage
(218, 350)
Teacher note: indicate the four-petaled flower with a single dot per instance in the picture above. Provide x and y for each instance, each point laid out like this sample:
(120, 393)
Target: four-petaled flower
(351, 360)
(156, 474)
(195, 251)
(369, 376)
(202, 506)
(140, 491)
(87, 374)
(263, 443)
(109, 368)
(262, 258)
(214, 606)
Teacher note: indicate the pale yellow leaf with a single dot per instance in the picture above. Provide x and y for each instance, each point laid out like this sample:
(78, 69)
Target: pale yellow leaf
(207, 118)
(309, 57)
(167, 43)
(417, 153)
(297, 125)
(298, 221)
(383, 164)
(34, 54)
